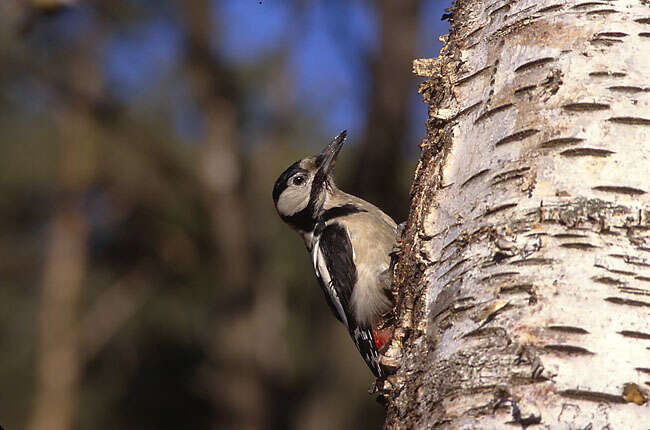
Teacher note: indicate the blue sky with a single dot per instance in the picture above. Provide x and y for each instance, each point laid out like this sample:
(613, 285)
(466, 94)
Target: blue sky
(326, 40)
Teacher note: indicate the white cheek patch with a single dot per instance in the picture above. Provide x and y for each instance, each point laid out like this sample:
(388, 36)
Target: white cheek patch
(293, 200)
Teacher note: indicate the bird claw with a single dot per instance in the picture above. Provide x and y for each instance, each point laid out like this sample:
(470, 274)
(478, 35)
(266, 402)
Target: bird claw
(386, 277)
(397, 246)
(396, 251)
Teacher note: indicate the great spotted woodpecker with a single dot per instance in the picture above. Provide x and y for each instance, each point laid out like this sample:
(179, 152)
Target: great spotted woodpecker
(350, 242)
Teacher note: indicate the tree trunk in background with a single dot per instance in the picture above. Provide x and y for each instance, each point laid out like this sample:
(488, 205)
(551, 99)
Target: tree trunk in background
(58, 354)
(234, 363)
(376, 176)
(219, 159)
(525, 281)
(58, 359)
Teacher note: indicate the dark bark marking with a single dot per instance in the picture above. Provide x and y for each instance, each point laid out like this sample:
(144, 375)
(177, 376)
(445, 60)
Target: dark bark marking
(469, 109)
(487, 114)
(499, 208)
(536, 233)
(630, 120)
(634, 334)
(629, 302)
(602, 12)
(504, 8)
(499, 256)
(628, 89)
(457, 278)
(592, 396)
(513, 27)
(612, 34)
(588, 5)
(606, 73)
(533, 64)
(568, 349)
(607, 280)
(518, 91)
(569, 236)
(629, 259)
(618, 272)
(514, 288)
(474, 177)
(515, 137)
(486, 332)
(444, 300)
(585, 107)
(551, 8)
(476, 74)
(494, 276)
(568, 329)
(633, 290)
(630, 191)
(525, 413)
(560, 142)
(533, 262)
(579, 245)
(509, 175)
(443, 250)
(605, 42)
(480, 27)
(452, 268)
(587, 152)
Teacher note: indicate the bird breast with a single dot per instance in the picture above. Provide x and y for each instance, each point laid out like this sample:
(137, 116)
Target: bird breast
(372, 241)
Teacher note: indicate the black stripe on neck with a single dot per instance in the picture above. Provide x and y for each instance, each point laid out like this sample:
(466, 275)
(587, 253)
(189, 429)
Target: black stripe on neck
(339, 211)
(303, 220)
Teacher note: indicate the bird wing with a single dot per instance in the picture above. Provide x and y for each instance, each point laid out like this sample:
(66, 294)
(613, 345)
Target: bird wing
(334, 266)
(333, 258)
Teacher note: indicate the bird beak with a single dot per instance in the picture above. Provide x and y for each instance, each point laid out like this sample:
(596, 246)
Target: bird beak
(327, 158)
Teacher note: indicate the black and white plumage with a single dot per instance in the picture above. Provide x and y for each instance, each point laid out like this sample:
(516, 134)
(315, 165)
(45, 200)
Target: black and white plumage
(349, 241)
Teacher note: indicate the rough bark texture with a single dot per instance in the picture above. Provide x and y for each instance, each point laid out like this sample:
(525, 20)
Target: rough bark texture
(524, 286)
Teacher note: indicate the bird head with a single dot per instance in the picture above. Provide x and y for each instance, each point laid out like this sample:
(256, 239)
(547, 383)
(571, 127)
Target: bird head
(301, 190)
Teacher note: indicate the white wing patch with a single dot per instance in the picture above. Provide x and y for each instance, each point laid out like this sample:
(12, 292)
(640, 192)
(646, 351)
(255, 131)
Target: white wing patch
(362, 336)
(320, 266)
(365, 343)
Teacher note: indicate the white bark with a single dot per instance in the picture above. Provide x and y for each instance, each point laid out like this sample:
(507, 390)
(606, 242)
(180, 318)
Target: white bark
(530, 223)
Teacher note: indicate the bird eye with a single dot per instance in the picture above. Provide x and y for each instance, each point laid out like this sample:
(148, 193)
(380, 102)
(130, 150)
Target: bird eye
(298, 180)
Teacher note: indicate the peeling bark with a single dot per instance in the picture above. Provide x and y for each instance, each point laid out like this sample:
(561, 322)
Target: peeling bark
(524, 285)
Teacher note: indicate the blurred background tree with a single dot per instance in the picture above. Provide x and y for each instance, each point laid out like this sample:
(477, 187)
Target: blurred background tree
(146, 281)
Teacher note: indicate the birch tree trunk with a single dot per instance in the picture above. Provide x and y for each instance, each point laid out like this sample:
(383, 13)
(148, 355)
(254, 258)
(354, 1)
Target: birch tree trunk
(524, 286)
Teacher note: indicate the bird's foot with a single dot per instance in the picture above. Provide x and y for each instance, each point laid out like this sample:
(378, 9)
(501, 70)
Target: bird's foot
(397, 246)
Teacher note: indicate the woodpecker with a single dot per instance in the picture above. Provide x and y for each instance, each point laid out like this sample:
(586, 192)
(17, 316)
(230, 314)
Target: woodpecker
(350, 242)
